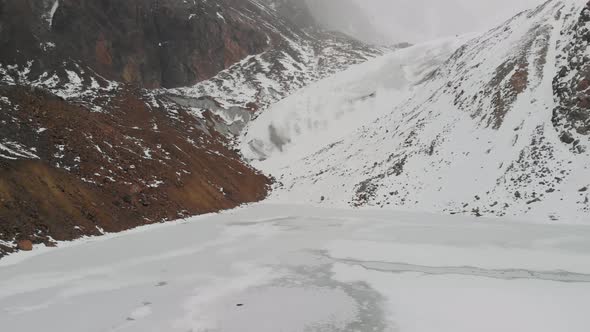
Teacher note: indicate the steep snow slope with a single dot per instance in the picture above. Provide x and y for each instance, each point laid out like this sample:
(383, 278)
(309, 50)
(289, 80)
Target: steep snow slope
(481, 134)
(270, 268)
(328, 110)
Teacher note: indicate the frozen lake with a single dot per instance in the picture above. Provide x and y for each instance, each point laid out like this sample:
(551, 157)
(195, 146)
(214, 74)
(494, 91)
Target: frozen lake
(296, 268)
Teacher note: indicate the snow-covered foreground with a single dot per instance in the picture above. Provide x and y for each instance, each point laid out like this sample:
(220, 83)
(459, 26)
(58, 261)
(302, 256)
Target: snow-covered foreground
(296, 268)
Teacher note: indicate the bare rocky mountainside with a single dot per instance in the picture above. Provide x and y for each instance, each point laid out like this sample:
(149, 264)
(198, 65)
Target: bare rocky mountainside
(115, 114)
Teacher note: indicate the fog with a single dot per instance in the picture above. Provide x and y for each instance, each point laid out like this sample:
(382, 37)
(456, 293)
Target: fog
(392, 21)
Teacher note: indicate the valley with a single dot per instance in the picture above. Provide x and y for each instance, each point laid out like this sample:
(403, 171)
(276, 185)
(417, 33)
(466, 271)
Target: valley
(238, 165)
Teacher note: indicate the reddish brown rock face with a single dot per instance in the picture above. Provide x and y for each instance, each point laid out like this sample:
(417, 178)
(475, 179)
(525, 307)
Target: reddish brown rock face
(103, 53)
(165, 43)
(115, 170)
(520, 79)
(25, 245)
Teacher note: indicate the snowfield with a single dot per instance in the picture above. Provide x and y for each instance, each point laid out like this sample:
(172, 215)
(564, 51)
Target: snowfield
(295, 268)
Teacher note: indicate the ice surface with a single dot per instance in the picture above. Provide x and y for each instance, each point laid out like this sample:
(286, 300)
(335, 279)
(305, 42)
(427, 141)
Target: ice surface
(295, 268)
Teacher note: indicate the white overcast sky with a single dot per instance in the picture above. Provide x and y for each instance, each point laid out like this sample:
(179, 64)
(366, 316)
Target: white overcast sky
(421, 20)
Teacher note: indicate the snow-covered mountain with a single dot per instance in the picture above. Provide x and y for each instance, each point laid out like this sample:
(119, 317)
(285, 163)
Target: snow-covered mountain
(303, 52)
(118, 114)
(497, 127)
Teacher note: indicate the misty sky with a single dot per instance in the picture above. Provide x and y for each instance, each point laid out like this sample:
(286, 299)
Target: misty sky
(421, 20)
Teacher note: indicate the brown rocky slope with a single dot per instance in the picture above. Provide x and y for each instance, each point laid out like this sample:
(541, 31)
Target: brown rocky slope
(91, 172)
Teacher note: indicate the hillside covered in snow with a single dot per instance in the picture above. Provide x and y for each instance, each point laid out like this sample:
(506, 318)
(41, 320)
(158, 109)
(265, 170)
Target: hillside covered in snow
(495, 124)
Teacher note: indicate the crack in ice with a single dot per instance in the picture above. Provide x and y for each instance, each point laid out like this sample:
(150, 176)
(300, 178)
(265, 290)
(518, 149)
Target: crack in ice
(506, 274)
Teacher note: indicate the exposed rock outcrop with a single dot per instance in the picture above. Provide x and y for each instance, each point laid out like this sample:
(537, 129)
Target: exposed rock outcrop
(571, 85)
(92, 172)
(152, 43)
